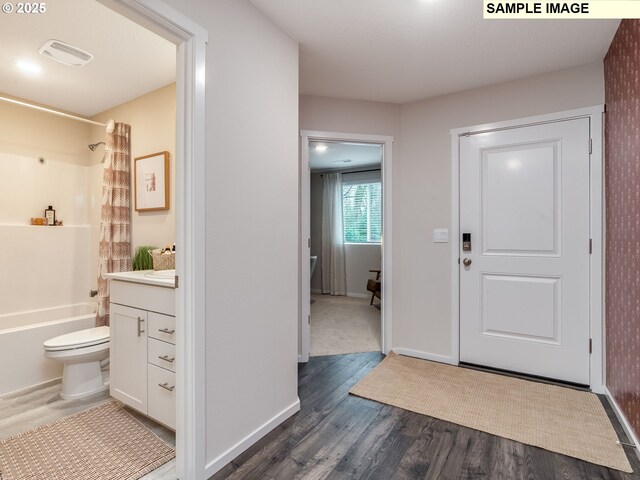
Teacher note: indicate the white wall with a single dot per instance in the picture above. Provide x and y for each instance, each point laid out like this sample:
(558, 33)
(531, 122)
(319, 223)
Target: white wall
(359, 258)
(251, 221)
(43, 267)
(422, 180)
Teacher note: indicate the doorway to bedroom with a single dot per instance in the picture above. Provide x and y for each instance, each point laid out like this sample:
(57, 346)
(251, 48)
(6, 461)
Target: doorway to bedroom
(342, 214)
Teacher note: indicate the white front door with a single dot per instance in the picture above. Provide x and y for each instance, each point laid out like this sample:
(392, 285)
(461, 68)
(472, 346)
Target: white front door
(524, 285)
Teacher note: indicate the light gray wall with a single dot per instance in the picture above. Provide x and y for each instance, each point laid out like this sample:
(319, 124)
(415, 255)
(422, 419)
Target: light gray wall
(422, 179)
(251, 220)
(358, 258)
(422, 189)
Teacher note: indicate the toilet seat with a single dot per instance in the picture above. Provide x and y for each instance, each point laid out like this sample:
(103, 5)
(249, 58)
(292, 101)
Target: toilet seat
(75, 340)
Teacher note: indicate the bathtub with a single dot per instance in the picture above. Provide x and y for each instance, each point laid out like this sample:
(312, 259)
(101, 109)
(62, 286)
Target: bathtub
(21, 336)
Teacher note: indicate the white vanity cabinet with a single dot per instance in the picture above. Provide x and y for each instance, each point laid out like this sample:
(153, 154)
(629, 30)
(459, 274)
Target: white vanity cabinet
(142, 353)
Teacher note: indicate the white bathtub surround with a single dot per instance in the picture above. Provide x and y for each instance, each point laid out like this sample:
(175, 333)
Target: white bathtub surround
(81, 354)
(22, 336)
(29, 185)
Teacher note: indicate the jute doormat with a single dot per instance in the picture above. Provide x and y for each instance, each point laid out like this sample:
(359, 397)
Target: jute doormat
(102, 443)
(558, 419)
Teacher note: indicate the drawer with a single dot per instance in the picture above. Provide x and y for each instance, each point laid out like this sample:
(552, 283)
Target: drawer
(146, 297)
(162, 327)
(162, 396)
(162, 354)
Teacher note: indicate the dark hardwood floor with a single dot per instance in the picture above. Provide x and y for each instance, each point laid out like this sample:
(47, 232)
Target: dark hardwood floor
(339, 436)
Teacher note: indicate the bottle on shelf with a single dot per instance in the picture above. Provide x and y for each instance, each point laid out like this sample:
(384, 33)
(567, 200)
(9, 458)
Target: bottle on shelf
(50, 215)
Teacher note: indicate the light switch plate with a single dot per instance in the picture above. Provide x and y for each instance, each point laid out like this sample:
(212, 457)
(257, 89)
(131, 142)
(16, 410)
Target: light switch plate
(440, 235)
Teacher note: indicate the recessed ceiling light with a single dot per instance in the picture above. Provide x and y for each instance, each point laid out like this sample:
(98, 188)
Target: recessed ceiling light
(28, 67)
(65, 53)
(320, 147)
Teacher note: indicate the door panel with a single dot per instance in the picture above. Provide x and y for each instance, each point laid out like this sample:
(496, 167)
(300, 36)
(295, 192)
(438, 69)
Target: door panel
(524, 298)
(520, 199)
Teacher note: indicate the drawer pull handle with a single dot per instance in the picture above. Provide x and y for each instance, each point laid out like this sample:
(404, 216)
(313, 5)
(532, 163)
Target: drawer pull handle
(140, 331)
(166, 386)
(166, 358)
(166, 330)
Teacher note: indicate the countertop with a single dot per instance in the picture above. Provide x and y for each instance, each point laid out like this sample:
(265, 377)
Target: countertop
(145, 277)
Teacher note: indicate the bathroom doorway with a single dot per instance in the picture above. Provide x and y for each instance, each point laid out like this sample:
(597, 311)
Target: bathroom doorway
(188, 100)
(345, 243)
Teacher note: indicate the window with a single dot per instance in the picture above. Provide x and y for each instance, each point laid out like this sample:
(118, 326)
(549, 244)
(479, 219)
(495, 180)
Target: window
(362, 212)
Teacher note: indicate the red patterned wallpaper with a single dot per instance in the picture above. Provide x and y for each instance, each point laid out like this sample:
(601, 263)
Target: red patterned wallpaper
(622, 178)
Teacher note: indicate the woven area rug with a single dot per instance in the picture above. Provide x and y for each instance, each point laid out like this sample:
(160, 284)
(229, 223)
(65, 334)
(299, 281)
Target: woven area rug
(558, 419)
(343, 325)
(102, 443)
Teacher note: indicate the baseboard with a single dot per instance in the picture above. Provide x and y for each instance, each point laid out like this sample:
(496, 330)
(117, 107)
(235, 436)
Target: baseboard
(626, 426)
(354, 295)
(25, 390)
(359, 295)
(219, 462)
(424, 355)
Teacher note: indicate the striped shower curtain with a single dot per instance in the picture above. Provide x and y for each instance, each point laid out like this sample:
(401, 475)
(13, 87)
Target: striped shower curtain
(115, 231)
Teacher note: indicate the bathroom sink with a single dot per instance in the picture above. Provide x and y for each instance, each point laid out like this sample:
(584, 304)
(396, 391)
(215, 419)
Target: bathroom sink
(161, 274)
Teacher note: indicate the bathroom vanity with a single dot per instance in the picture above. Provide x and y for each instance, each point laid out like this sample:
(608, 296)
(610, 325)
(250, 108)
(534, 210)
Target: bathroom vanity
(142, 357)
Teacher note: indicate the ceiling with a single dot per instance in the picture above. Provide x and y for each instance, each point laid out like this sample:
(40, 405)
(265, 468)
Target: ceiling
(406, 50)
(129, 60)
(340, 155)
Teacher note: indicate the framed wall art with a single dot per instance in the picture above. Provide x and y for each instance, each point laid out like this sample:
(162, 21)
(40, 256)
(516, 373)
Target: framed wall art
(151, 181)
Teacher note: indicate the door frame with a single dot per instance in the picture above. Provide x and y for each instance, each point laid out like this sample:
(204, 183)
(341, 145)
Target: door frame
(304, 251)
(190, 40)
(596, 216)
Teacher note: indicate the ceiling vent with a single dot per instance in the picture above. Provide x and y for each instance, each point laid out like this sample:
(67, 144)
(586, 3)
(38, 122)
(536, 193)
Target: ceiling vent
(65, 53)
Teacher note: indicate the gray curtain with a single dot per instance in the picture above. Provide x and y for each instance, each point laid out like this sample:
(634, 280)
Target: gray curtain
(334, 273)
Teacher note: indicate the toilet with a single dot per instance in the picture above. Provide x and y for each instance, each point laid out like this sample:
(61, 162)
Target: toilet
(81, 353)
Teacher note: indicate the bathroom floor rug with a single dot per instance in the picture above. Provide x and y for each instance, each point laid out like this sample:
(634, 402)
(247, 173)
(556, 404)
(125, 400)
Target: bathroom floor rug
(555, 418)
(102, 443)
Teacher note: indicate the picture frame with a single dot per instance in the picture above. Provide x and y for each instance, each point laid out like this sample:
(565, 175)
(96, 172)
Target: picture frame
(151, 182)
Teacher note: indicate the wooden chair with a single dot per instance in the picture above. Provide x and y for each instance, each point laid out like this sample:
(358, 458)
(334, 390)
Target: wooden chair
(374, 286)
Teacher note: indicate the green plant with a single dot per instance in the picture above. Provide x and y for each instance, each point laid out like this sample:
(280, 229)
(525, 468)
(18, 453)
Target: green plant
(141, 259)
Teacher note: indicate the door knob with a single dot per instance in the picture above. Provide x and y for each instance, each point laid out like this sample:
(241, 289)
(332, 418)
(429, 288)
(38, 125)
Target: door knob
(467, 262)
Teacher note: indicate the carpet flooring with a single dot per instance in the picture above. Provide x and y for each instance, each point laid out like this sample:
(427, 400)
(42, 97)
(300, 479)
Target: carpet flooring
(558, 419)
(342, 325)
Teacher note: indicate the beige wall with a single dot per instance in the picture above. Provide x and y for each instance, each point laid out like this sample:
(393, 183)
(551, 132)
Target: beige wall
(33, 133)
(153, 129)
(251, 221)
(422, 180)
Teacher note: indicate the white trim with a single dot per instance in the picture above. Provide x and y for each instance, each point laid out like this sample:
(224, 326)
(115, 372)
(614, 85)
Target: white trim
(359, 295)
(597, 254)
(304, 250)
(191, 41)
(596, 369)
(223, 459)
(622, 418)
(353, 295)
(387, 162)
(434, 357)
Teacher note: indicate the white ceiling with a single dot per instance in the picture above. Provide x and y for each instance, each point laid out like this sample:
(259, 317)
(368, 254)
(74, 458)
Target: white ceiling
(129, 60)
(405, 50)
(343, 155)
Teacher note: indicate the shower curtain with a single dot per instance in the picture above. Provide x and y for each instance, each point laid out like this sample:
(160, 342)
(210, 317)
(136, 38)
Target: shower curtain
(334, 273)
(115, 217)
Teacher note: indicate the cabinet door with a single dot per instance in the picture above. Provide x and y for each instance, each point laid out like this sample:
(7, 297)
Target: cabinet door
(128, 356)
